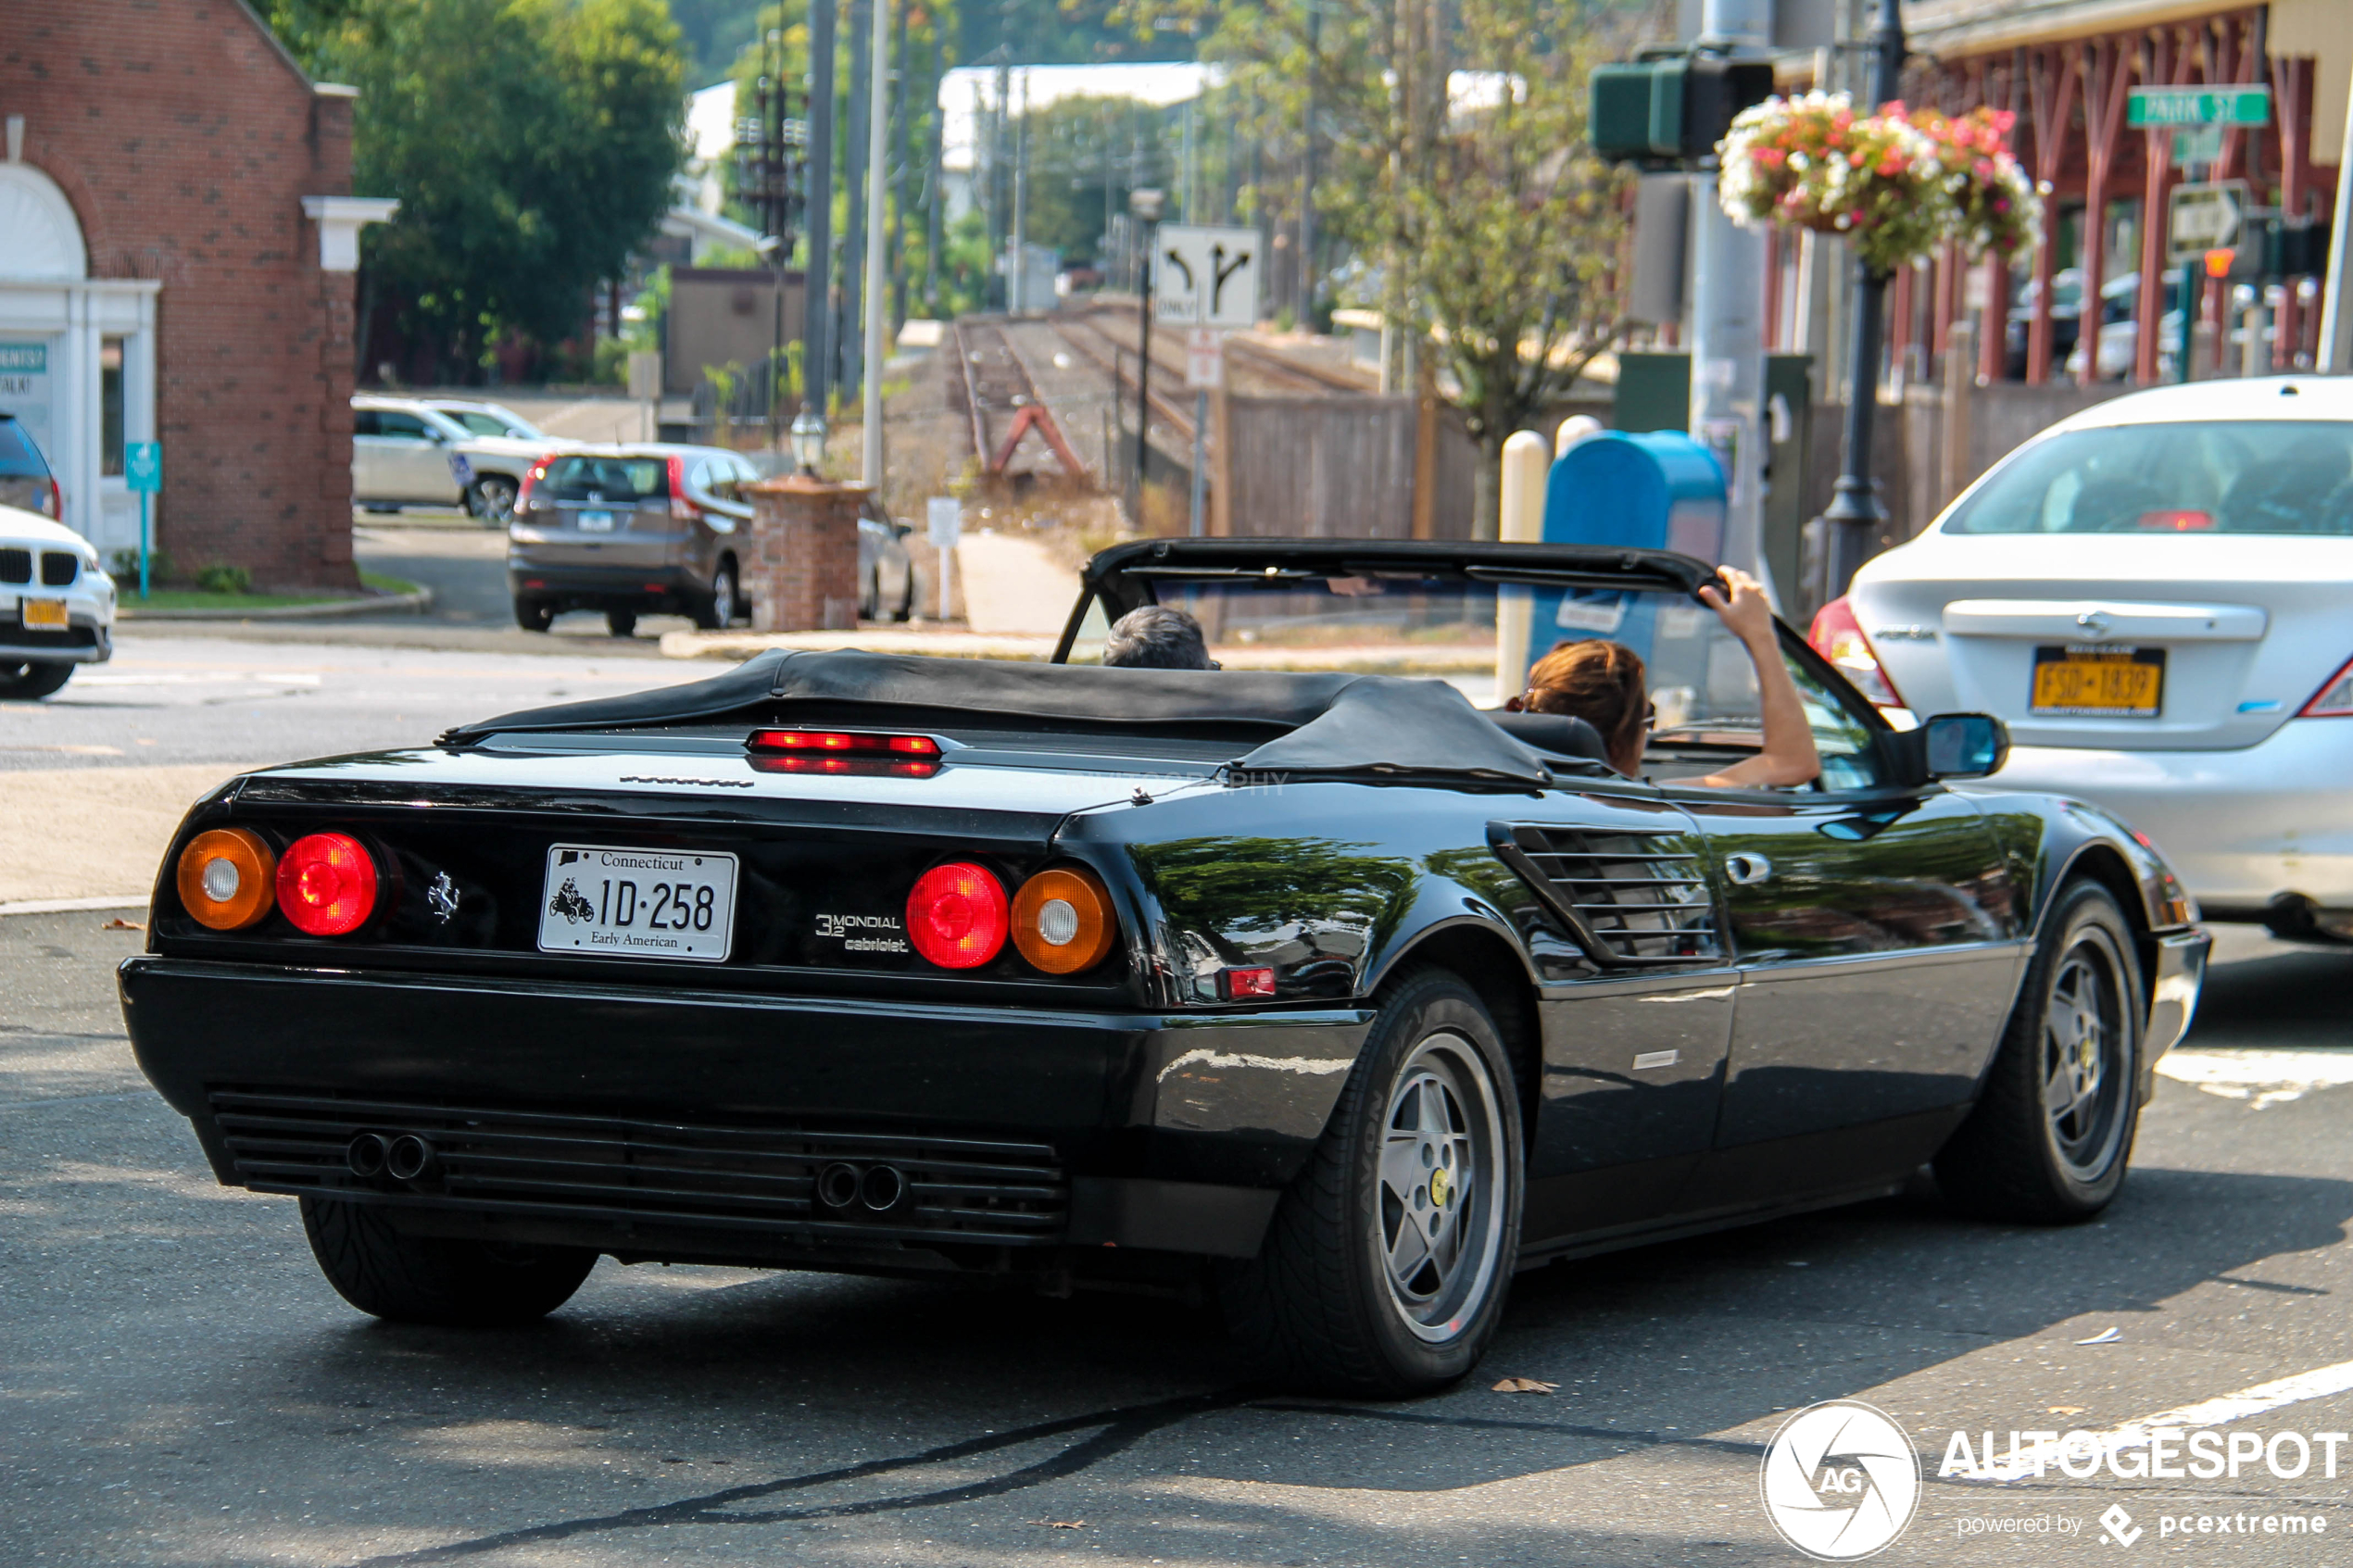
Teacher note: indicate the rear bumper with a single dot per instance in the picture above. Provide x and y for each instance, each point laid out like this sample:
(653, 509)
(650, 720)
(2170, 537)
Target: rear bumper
(605, 584)
(2241, 828)
(695, 1123)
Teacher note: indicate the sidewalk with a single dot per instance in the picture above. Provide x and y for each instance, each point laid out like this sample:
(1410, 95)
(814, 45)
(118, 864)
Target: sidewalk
(90, 833)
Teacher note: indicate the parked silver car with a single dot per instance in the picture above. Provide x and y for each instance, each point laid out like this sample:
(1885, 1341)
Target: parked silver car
(656, 528)
(443, 452)
(2157, 596)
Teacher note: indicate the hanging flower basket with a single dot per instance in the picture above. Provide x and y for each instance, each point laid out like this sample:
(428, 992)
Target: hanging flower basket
(1894, 185)
(1996, 207)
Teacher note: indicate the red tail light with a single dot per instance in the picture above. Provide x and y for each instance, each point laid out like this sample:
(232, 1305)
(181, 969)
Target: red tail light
(681, 508)
(53, 505)
(957, 916)
(1838, 636)
(2334, 699)
(1241, 985)
(530, 479)
(327, 883)
(2176, 521)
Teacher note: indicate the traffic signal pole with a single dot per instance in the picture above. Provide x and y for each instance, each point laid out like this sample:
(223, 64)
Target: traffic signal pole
(1728, 327)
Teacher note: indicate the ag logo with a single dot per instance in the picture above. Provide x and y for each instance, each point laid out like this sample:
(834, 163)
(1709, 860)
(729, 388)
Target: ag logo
(1840, 1480)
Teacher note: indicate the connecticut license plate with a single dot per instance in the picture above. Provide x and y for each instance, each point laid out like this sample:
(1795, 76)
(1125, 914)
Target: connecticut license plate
(637, 903)
(596, 522)
(45, 615)
(2095, 680)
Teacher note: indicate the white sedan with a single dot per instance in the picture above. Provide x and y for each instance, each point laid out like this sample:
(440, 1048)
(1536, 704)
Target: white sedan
(56, 606)
(2156, 593)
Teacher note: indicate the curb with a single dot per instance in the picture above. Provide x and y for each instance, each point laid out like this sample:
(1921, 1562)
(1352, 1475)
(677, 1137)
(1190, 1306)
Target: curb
(417, 602)
(68, 905)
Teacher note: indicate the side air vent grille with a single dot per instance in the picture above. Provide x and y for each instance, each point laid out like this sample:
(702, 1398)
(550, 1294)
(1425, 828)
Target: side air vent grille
(1629, 898)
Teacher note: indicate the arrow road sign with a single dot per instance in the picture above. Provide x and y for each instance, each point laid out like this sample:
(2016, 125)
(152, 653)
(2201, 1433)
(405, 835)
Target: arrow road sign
(1205, 277)
(2160, 108)
(2205, 217)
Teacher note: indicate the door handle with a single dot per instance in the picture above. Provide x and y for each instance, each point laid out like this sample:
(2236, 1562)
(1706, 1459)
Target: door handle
(1745, 870)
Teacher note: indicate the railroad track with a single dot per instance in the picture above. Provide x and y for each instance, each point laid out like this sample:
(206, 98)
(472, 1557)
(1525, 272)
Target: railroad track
(994, 383)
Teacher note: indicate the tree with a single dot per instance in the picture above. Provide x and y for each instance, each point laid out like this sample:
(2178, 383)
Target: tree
(1454, 162)
(531, 143)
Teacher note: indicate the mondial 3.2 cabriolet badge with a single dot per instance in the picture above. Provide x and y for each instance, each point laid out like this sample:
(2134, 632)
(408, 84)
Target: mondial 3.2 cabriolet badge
(887, 938)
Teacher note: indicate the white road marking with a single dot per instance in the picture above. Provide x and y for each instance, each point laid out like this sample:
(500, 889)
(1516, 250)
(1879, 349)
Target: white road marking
(2263, 1077)
(2318, 1384)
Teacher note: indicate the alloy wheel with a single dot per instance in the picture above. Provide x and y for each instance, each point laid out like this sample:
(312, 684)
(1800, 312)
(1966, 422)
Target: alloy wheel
(1438, 1222)
(2084, 1076)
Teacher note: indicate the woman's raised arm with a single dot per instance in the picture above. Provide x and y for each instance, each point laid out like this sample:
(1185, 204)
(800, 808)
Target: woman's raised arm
(1788, 756)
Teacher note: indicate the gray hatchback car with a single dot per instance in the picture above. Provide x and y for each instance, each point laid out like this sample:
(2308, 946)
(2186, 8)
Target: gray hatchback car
(655, 528)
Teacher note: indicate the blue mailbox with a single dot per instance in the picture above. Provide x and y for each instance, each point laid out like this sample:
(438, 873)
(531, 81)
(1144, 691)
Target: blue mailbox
(1658, 489)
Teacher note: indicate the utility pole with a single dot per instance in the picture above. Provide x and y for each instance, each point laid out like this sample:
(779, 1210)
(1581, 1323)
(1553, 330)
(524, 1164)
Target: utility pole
(1018, 274)
(1855, 512)
(902, 72)
(936, 115)
(854, 237)
(877, 305)
(816, 296)
(1728, 328)
(1145, 206)
(1307, 168)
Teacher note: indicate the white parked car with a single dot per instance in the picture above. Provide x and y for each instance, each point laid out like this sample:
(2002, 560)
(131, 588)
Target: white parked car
(407, 451)
(56, 606)
(2156, 593)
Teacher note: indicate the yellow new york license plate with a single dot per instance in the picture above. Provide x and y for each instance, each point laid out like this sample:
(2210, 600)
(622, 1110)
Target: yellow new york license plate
(2099, 681)
(45, 615)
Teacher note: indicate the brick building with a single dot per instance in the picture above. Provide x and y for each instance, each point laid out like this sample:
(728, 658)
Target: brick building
(177, 243)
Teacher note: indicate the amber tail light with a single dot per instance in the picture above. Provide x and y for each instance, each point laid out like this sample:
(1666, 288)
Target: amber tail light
(227, 878)
(1063, 920)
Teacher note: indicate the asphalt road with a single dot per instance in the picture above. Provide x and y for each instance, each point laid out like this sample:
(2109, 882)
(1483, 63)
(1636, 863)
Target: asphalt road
(182, 1386)
(191, 694)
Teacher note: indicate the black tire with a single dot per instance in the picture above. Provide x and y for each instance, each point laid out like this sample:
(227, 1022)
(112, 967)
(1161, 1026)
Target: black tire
(32, 681)
(622, 622)
(534, 615)
(1322, 1307)
(2053, 1130)
(492, 499)
(720, 613)
(906, 611)
(434, 1280)
(380, 509)
(870, 597)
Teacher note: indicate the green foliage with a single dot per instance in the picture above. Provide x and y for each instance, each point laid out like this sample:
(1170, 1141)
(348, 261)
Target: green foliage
(221, 578)
(531, 143)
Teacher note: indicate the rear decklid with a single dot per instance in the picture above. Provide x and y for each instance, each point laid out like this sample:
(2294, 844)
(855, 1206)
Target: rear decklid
(2173, 585)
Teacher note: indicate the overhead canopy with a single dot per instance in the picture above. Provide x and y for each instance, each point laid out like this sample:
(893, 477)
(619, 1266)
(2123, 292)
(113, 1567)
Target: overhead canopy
(1315, 724)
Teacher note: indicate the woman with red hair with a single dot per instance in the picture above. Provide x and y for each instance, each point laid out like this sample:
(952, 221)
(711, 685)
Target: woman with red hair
(1602, 682)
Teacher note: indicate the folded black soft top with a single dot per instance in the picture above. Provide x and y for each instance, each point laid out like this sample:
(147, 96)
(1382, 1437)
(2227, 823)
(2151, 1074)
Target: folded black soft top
(1320, 724)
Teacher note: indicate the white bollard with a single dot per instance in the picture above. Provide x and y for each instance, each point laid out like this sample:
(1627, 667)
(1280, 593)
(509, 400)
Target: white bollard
(1527, 465)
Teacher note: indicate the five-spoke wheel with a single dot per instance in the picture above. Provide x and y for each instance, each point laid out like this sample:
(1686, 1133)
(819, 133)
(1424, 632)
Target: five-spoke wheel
(1384, 1271)
(2052, 1132)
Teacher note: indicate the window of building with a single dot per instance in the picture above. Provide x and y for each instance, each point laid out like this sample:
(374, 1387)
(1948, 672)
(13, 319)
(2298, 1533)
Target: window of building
(110, 406)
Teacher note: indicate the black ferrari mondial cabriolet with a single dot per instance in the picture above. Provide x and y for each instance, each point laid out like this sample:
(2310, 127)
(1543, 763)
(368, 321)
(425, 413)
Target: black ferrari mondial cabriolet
(1320, 988)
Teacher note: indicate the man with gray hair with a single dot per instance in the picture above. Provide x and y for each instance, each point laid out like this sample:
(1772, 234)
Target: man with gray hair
(1156, 637)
